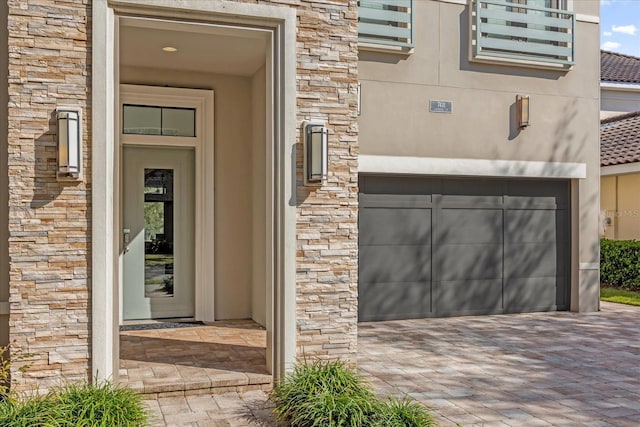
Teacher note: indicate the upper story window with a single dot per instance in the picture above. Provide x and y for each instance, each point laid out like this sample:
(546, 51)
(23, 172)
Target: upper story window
(386, 22)
(536, 32)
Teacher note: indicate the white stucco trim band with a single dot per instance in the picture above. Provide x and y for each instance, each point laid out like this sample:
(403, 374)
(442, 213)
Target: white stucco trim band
(581, 17)
(620, 169)
(630, 87)
(589, 266)
(470, 167)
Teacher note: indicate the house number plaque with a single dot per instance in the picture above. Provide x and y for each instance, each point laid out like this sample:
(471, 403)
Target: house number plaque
(440, 106)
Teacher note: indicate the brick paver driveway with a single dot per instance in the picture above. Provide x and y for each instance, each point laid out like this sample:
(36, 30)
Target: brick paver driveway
(517, 370)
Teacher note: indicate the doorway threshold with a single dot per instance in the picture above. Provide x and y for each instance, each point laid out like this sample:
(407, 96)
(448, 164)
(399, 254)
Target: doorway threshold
(194, 359)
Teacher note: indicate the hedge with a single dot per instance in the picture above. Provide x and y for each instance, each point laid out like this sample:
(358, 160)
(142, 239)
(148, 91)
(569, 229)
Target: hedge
(620, 263)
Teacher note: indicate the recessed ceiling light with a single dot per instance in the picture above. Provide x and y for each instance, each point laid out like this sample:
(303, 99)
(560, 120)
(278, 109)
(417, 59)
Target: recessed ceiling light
(169, 49)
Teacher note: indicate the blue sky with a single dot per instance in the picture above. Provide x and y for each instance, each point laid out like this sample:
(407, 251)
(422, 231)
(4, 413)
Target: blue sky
(620, 26)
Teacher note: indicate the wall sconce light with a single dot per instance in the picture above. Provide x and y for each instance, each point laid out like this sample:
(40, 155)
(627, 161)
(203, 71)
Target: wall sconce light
(522, 107)
(69, 144)
(316, 137)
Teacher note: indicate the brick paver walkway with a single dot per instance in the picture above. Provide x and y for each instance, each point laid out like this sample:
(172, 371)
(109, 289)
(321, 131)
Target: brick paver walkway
(517, 370)
(250, 409)
(225, 354)
(536, 369)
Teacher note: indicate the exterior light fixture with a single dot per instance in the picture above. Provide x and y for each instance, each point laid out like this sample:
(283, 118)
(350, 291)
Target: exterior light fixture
(315, 153)
(522, 109)
(69, 144)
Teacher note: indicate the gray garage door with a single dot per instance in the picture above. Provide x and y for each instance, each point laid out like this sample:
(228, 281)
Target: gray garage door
(445, 247)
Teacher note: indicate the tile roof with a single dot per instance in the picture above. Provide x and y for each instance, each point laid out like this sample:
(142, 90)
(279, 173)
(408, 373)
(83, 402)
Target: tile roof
(620, 139)
(616, 67)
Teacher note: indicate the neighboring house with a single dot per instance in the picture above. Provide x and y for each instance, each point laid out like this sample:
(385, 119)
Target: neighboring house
(619, 84)
(620, 176)
(619, 145)
(462, 168)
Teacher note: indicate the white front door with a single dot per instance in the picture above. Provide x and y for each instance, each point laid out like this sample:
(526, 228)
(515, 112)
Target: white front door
(158, 232)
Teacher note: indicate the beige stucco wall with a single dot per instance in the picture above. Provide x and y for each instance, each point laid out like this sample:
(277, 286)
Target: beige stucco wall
(233, 180)
(616, 102)
(619, 201)
(396, 121)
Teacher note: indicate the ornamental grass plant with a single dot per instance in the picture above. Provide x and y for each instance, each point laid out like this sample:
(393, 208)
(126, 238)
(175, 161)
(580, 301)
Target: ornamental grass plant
(74, 404)
(329, 394)
(100, 405)
(77, 405)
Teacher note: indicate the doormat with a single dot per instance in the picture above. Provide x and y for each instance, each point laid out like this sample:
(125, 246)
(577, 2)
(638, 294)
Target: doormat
(162, 325)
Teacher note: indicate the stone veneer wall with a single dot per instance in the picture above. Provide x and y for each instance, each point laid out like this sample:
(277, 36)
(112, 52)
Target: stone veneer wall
(49, 234)
(49, 247)
(327, 217)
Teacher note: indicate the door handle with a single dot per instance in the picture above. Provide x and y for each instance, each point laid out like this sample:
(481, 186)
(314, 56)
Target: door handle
(126, 238)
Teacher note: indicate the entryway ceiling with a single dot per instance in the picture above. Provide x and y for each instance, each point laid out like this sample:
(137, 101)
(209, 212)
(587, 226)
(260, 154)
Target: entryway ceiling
(200, 47)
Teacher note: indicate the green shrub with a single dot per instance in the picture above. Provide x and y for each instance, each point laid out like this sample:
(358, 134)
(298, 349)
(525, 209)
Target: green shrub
(79, 405)
(329, 394)
(620, 263)
(76, 405)
(323, 394)
(405, 413)
(102, 404)
(31, 412)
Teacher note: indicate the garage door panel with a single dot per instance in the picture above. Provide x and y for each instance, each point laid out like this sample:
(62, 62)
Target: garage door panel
(548, 203)
(394, 185)
(532, 294)
(396, 263)
(395, 201)
(457, 297)
(546, 190)
(489, 245)
(466, 202)
(533, 260)
(388, 301)
(469, 261)
(384, 226)
(469, 226)
(476, 187)
(533, 226)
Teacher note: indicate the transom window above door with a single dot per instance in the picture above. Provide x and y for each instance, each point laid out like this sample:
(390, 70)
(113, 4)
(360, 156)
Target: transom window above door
(156, 120)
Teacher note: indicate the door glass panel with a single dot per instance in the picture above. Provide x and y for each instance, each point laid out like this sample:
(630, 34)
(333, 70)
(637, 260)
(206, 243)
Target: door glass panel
(158, 232)
(178, 121)
(142, 120)
(152, 120)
